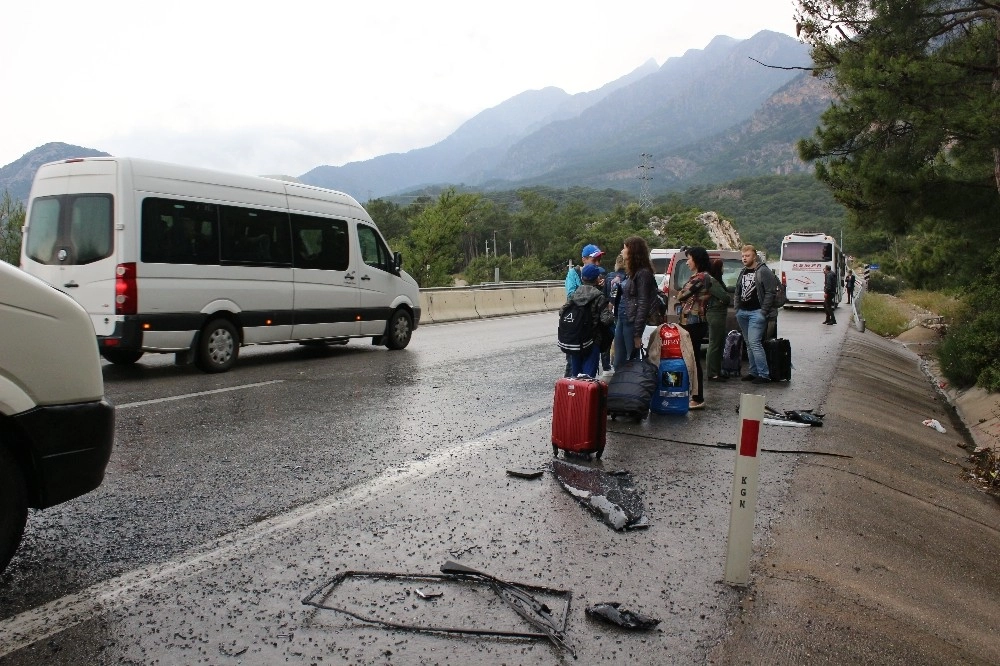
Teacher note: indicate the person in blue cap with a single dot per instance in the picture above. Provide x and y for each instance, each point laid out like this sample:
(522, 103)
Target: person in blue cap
(591, 255)
(584, 322)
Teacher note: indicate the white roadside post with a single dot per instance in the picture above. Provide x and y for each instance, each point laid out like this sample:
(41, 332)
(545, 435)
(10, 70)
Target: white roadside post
(744, 500)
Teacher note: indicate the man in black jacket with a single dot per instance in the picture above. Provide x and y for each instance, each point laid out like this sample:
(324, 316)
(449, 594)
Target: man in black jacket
(829, 293)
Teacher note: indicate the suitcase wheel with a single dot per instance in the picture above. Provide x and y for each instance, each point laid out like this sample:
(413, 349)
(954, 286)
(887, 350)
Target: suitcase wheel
(599, 454)
(555, 451)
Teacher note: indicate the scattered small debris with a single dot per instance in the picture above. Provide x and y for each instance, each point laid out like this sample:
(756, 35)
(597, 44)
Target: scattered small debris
(235, 652)
(934, 423)
(612, 612)
(525, 473)
(986, 470)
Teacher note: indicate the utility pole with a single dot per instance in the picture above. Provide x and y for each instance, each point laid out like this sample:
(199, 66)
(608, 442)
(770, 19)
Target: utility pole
(645, 176)
(494, 243)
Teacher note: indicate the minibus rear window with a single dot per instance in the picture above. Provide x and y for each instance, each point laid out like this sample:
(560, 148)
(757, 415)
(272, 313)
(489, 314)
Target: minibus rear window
(78, 228)
(43, 229)
(90, 228)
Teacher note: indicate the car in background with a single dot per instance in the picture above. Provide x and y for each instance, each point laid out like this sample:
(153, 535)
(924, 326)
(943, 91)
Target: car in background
(732, 264)
(56, 427)
(662, 260)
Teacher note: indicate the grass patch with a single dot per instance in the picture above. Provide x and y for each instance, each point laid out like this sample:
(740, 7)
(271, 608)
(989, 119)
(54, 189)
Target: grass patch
(939, 303)
(883, 315)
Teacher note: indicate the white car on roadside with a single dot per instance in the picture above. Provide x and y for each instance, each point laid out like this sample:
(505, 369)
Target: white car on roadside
(56, 427)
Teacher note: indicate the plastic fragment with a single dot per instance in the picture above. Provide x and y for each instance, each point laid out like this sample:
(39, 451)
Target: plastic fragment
(934, 423)
(612, 612)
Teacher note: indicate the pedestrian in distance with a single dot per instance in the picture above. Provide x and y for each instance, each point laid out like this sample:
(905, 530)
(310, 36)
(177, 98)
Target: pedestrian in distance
(591, 255)
(756, 287)
(694, 297)
(718, 308)
(849, 286)
(829, 293)
(638, 294)
(583, 323)
(614, 287)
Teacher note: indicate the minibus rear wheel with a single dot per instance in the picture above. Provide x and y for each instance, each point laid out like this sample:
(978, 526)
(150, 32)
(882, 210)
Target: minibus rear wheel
(122, 356)
(399, 331)
(218, 346)
(13, 506)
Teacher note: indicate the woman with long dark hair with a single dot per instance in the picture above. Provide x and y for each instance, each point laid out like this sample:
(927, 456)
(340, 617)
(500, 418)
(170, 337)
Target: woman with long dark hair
(694, 296)
(638, 294)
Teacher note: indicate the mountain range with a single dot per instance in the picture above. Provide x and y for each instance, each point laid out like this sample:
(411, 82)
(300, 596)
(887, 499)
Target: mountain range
(730, 110)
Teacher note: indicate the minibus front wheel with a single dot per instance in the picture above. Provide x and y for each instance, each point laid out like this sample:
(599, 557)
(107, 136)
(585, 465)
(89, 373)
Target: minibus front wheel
(399, 331)
(218, 346)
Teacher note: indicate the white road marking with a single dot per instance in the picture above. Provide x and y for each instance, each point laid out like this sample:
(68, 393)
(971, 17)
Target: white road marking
(195, 395)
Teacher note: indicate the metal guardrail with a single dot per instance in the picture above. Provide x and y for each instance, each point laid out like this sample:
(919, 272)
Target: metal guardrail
(859, 292)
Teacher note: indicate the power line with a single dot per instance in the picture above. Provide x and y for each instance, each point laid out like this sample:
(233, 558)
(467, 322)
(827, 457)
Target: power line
(645, 176)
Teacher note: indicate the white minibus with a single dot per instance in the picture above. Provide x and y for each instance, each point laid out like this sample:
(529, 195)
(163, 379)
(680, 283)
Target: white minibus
(173, 259)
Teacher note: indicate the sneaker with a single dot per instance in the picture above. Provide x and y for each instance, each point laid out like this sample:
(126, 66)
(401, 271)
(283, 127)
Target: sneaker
(696, 405)
(748, 378)
(761, 380)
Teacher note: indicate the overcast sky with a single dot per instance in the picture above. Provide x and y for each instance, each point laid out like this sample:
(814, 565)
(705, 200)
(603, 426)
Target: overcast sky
(282, 87)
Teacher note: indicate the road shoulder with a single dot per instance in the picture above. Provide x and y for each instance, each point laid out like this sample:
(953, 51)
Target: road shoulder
(884, 558)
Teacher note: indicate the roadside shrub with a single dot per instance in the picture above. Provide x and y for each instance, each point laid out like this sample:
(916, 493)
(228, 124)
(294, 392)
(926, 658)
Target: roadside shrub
(884, 284)
(970, 352)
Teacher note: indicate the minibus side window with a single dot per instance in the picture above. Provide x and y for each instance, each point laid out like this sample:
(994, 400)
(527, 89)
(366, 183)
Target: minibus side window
(320, 243)
(255, 236)
(91, 231)
(179, 232)
(373, 250)
(43, 228)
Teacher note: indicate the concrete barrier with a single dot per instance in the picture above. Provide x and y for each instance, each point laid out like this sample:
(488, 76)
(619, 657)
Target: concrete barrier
(495, 302)
(554, 297)
(455, 304)
(529, 300)
(452, 305)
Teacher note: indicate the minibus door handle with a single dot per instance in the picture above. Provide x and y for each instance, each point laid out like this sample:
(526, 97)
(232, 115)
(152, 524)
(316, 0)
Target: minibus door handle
(71, 284)
(349, 276)
(365, 277)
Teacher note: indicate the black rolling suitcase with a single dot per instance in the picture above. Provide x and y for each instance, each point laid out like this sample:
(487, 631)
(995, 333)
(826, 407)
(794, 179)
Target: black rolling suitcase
(631, 388)
(732, 354)
(779, 359)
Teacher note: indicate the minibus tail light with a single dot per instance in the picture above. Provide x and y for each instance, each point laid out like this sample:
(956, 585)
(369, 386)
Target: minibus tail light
(126, 290)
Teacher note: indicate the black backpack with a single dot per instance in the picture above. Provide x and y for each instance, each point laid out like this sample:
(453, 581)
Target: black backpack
(576, 327)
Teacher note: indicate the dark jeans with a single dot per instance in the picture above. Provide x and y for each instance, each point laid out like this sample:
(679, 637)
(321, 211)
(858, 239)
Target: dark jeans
(828, 307)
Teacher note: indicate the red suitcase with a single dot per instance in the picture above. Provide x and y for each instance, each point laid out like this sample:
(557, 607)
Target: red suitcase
(580, 416)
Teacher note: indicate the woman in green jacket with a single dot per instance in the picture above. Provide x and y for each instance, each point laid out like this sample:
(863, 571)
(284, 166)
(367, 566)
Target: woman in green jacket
(717, 308)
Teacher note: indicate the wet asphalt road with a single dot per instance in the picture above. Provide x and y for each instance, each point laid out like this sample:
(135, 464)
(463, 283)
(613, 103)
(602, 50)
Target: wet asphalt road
(230, 497)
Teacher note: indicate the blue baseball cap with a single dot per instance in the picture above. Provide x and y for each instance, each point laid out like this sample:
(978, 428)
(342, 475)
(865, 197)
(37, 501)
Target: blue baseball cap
(591, 251)
(590, 272)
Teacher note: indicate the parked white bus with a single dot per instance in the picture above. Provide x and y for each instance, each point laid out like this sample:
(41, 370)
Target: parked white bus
(803, 256)
(168, 258)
